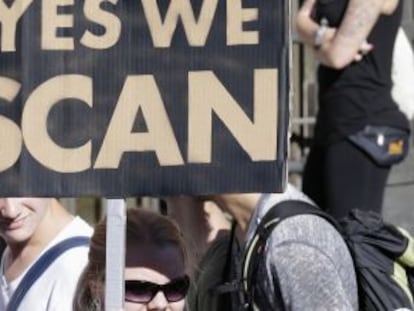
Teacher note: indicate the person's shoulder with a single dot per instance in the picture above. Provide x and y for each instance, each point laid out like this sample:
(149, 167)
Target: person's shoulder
(306, 227)
(58, 282)
(310, 236)
(78, 226)
(309, 232)
(70, 263)
(269, 200)
(77, 255)
(293, 194)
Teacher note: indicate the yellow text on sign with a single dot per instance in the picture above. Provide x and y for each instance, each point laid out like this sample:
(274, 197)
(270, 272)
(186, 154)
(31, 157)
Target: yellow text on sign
(206, 96)
(161, 31)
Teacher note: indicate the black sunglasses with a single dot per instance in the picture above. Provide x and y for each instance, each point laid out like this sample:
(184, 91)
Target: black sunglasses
(143, 292)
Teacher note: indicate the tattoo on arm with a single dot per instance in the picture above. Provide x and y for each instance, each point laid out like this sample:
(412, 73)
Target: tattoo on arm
(360, 16)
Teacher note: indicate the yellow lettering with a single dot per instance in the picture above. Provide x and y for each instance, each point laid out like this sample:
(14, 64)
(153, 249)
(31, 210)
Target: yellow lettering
(10, 136)
(8, 21)
(236, 15)
(109, 21)
(196, 31)
(208, 95)
(51, 21)
(139, 92)
(34, 123)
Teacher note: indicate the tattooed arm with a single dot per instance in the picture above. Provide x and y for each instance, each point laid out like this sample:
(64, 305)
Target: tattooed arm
(341, 47)
(306, 27)
(360, 17)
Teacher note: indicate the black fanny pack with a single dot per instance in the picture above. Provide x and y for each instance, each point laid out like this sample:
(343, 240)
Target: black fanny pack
(384, 144)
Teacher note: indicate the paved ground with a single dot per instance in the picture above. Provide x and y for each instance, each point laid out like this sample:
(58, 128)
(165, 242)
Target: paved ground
(399, 196)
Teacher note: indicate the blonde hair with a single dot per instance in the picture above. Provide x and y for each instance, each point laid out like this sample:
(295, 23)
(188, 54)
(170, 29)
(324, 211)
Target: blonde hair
(143, 227)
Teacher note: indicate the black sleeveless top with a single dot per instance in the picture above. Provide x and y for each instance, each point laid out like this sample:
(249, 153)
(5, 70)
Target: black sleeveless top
(359, 94)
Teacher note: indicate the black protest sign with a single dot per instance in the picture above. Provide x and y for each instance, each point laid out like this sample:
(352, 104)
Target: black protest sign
(143, 97)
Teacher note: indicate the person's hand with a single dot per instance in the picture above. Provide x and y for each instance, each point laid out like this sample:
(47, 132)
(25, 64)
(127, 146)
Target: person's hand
(329, 35)
(364, 49)
(323, 54)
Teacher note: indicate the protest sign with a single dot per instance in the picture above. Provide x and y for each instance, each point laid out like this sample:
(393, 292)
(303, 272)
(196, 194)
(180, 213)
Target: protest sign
(143, 97)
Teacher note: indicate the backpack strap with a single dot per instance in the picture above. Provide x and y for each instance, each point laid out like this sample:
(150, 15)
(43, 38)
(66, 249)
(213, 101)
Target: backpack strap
(228, 284)
(270, 220)
(230, 289)
(41, 265)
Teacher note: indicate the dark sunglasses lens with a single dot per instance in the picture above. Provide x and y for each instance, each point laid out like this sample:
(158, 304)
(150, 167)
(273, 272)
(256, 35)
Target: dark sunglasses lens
(136, 291)
(176, 290)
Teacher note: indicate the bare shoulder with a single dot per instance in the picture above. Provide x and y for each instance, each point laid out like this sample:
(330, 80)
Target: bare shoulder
(389, 6)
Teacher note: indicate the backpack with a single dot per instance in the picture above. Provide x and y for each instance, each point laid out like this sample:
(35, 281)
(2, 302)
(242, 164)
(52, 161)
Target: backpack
(383, 256)
(213, 271)
(233, 297)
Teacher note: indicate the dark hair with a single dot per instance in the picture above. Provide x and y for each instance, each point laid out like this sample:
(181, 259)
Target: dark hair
(143, 227)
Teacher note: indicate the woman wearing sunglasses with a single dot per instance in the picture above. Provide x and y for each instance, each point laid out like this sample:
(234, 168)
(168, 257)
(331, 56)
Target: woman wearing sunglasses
(155, 266)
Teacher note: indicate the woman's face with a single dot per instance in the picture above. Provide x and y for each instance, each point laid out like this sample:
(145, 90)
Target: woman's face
(158, 265)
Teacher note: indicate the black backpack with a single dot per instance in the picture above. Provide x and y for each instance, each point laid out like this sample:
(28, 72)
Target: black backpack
(383, 256)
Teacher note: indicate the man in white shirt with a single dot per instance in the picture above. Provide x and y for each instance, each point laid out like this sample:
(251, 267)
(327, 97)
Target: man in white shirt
(30, 227)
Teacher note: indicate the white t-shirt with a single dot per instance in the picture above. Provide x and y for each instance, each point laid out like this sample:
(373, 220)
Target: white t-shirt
(55, 288)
